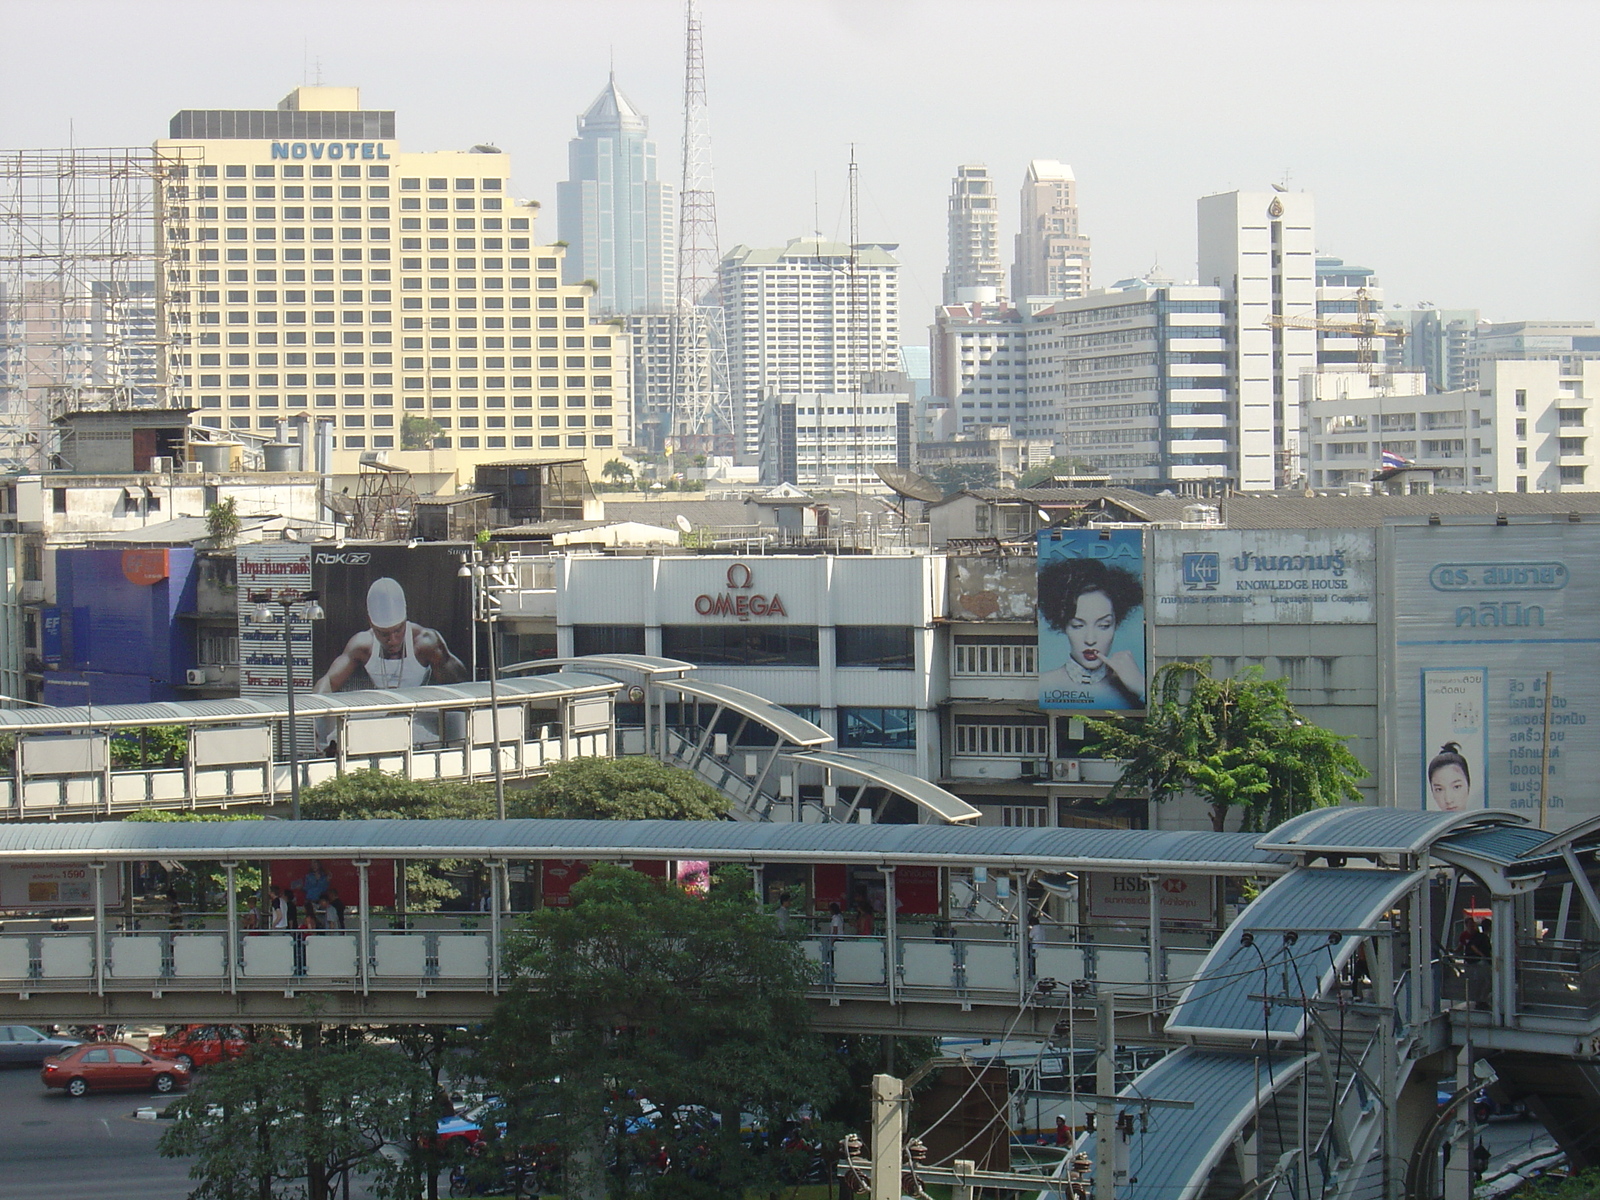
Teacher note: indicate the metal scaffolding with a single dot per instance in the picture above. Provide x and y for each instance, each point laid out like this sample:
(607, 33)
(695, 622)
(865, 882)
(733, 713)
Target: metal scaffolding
(80, 251)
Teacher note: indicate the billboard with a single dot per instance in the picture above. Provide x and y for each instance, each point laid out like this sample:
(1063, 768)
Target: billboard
(1263, 576)
(30, 886)
(1482, 616)
(1091, 619)
(1127, 897)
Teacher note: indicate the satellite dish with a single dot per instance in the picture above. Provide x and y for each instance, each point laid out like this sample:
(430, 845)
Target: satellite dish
(905, 482)
(342, 504)
(683, 523)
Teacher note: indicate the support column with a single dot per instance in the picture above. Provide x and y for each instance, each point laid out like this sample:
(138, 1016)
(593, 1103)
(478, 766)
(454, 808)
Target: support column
(888, 1136)
(1157, 968)
(233, 927)
(497, 871)
(1382, 961)
(891, 955)
(1458, 1179)
(364, 922)
(99, 869)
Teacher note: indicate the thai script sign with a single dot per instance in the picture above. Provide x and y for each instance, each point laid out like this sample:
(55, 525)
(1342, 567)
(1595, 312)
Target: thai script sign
(1228, 576)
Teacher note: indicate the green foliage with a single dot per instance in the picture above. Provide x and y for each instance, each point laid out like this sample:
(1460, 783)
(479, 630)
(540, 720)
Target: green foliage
(222, 521)
(416, 433)
(201, 881)
(282, 1121)
(376, 795)
(1034, 476)
(953, 476)
(1235, 743)
(643, 991)
(151, 746)
(1585, 1185)
(618, 474)
(635, 788)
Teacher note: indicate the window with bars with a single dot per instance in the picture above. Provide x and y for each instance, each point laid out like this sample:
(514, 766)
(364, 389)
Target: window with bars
(1027, 816)
(1001, 739)
(995, 657)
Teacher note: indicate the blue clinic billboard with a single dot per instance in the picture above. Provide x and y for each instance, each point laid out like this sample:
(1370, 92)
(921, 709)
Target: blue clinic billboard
(1483, 614)
(1091, 619)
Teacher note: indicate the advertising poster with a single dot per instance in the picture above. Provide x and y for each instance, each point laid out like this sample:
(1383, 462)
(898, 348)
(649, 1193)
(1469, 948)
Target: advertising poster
(1265, 576)
(1455, 743)
(274, 571)
(1127, 897)
(343, 878)
(396, 617)
(1482, 614)
(1091, 619)
(29, 886)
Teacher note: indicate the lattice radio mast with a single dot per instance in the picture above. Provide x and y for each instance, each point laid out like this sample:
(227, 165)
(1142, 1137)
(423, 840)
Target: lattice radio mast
(702, 406)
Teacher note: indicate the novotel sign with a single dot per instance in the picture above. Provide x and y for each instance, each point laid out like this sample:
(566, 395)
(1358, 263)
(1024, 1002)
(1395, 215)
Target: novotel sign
(741, 599)
(333, 150)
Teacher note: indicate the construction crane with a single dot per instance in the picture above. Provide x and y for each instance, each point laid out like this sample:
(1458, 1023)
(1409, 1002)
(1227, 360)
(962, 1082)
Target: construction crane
(1364, 328)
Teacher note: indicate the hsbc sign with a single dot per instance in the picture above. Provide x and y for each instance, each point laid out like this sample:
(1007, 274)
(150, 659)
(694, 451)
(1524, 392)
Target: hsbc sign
(741, 600)
(1127, 897)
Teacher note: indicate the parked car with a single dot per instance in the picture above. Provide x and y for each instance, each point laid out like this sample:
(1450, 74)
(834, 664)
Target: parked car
(200, 1045)
(112, 1066)
(25, 1046)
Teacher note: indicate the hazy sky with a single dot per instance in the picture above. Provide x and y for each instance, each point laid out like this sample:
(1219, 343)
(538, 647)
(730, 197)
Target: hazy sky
(1449, 145)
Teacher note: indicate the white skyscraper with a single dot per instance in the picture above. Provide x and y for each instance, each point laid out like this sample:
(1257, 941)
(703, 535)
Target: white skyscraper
(1052, 256)
(1260, 249)
(974, 270)
(793, 328)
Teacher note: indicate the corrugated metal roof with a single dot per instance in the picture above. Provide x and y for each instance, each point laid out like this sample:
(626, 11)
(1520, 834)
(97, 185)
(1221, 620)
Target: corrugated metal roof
(565, 683)
(919, 791)
(1362, 830)
(1312, 901)
(791, 726)
(1182, 1145)
(948, 845)
(645, 664)
(1503, 844)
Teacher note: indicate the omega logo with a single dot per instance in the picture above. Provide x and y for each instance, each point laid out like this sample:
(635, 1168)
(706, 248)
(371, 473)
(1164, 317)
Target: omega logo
(725, 604)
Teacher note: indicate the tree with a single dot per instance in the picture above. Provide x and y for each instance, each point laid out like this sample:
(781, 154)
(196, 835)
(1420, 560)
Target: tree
(223, 523)
(282, 1121)
(1235, 743)
(952, 476)
(416, 433)
(642, 1022)
(635, 788)
(1034, 476)
(195, 883)
(619, 473)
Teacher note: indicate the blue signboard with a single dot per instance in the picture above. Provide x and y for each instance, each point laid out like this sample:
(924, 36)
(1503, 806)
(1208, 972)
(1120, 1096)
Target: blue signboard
(50, 636)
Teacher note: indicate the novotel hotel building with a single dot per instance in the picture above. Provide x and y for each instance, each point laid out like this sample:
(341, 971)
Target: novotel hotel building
(320, 280)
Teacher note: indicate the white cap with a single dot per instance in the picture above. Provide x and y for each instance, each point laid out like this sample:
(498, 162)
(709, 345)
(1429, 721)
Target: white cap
(386, 603)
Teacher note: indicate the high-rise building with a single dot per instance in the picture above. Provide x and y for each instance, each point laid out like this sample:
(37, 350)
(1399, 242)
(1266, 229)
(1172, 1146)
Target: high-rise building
(1439, 342)
(796, 325)
(1259, 248)
(832, 440)
(316, 274)
(974, 271)
(614, 214)
(979, 356)
(1052, 255)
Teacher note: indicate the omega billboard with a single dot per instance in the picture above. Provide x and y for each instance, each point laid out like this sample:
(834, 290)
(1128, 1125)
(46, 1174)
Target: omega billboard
(1483, 615)
(740, 597)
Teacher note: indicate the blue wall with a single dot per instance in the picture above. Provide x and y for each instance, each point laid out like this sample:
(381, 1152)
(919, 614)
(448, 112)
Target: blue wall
(123, 638)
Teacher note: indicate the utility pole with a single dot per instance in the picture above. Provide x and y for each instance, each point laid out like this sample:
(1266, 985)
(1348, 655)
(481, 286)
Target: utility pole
(888, 1135)
(1105, 1082)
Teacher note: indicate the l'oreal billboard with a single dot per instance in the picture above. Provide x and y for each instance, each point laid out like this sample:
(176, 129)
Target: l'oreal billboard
(1482, 614)
(1091, 619)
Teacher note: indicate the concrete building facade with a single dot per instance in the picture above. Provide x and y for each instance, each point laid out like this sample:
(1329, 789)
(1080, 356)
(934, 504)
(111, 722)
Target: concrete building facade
(314, 268)
(834, 440)
(974, 270)
(1052, 255)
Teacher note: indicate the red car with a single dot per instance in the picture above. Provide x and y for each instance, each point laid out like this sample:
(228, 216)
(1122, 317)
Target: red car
(112, 1066)
(200, 1045)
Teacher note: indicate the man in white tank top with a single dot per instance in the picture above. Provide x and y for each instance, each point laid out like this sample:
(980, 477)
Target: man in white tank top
(394, 652)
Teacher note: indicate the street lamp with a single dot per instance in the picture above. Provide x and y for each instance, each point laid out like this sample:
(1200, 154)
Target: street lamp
(291, 605)
(489, 578)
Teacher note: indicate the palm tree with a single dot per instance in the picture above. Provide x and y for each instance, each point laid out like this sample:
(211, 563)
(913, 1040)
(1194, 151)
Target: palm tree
(618, 472)
(1235, 743)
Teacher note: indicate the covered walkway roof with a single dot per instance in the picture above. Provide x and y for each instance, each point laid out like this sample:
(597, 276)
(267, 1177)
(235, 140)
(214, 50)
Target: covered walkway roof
(931, 796)
(1357, 829)
(790, 726)
(562, 685)
(995, 847)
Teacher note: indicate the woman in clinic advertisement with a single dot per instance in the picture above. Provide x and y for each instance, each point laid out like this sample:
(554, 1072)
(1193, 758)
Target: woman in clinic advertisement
(1091, 621)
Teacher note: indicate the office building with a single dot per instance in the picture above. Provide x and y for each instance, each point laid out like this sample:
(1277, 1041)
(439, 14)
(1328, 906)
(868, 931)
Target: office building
(1052, 255)
(315, 272)
(979, 359)
(795, 326)
(974, 270)
(1259, 248)
(834, 440)
(1439, 342)
(614, 214)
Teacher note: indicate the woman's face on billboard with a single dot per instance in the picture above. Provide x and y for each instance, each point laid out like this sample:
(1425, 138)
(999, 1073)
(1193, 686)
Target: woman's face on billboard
(1091, 629)
(1451, 788)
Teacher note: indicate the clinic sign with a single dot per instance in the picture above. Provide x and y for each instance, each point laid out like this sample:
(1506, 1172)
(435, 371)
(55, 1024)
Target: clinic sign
(330, 151)
(1483, 617)
(1127, 897)
(1264, 576)
(740, 599)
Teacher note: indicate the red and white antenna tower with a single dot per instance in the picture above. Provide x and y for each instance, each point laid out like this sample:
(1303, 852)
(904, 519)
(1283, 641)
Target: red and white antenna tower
(702, 407)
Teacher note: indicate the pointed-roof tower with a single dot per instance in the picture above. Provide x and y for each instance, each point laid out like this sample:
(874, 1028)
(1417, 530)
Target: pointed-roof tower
(612, 112)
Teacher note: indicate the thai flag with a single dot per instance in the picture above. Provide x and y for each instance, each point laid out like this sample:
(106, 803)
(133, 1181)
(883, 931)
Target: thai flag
(1394, 462)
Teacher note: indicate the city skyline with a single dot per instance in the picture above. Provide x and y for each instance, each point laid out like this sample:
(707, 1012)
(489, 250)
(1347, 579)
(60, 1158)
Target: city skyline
(1408, 198)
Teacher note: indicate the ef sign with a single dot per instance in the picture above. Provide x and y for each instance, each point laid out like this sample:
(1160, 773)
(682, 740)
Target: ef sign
(741, 600)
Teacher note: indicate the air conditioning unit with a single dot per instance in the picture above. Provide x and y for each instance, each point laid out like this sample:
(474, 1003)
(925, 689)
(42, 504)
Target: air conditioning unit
(195, 675)
(1066, 770)
(161, 465)
(194, 468)
(1030, 769)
